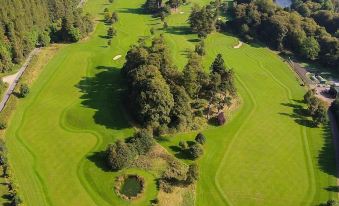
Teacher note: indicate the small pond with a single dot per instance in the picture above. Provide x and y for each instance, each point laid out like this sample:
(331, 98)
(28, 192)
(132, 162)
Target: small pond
(131, 186)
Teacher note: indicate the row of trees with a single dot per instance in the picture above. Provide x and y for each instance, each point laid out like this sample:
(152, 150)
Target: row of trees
(27, 24)
(161, 97)
(282, 29)
(13, 195)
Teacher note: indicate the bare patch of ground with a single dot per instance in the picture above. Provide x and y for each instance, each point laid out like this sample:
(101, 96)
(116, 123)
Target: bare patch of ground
(239, 45)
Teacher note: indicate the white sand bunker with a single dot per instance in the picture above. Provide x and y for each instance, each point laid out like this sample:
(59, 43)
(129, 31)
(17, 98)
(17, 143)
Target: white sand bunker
(182, 12)
(238, 46)
(117, 57)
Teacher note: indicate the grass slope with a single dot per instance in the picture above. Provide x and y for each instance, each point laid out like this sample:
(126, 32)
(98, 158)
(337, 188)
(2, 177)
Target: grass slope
(264, 156)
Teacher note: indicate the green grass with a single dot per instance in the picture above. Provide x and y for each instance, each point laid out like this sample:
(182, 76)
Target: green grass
(264, 155)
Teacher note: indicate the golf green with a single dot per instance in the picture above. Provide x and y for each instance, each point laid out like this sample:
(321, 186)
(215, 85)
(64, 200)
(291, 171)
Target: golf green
(266, 154)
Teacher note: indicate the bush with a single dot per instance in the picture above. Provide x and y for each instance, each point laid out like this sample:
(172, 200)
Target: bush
(200, 138)
(221, 118)
(3, 125)
(142, 142)
(175, 172)
(196, 150)
(183, 145)
(24, 90)
(165, 186)
(192, 173)
(119, 155)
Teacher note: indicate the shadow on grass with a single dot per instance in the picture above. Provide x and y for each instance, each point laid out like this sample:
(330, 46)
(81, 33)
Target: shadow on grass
(326, 157)
(299, 114)
(98, 158)
(133, 11)
(332, 188)
(179, 30)
(103, 92)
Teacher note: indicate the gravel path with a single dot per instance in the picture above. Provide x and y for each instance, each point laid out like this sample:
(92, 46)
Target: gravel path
(13, 79)
(335, 135)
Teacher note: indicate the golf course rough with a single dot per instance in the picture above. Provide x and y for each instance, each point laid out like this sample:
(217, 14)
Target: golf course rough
(265, 155)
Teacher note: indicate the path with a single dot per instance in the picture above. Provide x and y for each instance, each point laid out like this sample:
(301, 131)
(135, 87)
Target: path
(335, 135)
(13, 79)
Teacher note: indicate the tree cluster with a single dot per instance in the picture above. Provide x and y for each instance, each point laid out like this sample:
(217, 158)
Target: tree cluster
(160, 6)
(162, 98)
(121, 154)
(288, 30)
(203, 19)
(27, 24)
(193, 150)
(316, 108)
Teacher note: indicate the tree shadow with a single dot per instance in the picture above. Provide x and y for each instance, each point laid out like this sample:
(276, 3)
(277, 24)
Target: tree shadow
(332, 188)
(326, 157)
(104, 36)
(98, 158)
(103, 92)
(299, 114)
(133, 11)
(179, 30)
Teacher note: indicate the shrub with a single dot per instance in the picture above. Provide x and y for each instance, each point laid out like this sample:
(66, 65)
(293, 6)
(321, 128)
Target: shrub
(3, 125)
(175, 172)
(119, 155)
(195, 150)
(200, 138)
(165, 186)
(221, 118)
(24, 90)
(192, 173)
(142, 142)
(183, 145)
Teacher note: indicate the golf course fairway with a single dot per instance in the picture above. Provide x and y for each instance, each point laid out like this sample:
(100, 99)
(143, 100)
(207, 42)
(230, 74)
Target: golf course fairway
(266, 153)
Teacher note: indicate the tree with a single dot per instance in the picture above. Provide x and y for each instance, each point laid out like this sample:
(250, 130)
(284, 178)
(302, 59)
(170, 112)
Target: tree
(221, 118)
(195, 150)
(142, 142)
(109, 42)
(192, 73)
(114, 17)
(111, 32)
(24, 90)
(200, 138)
(313, 105)
(202, 20)
(183, 145)
(309, 94)
(153, 100)
(192, 173)
(200, 48)
(181, 113)
(310, 48)
(320, 115)
(218, 65)
(118, 155)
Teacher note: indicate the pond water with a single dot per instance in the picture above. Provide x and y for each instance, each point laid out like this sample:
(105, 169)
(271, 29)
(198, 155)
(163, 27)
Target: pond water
(131, 187)
(284, 3)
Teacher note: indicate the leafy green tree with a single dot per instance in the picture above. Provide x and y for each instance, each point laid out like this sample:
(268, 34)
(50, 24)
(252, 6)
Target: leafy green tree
(309, 94)
(119, 155)
(195, 150)
(142, 142)
(153, 100)
(192, 74)
(23, 90)
(181, 113)
(200, 138)
(202, 20)
(320, 115)
(310, 48)
(111, 32)
(183, 145)
(200, 48)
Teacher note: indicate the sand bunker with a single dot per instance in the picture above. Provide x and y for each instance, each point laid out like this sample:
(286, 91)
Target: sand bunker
(238, 46)
(117, 57)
